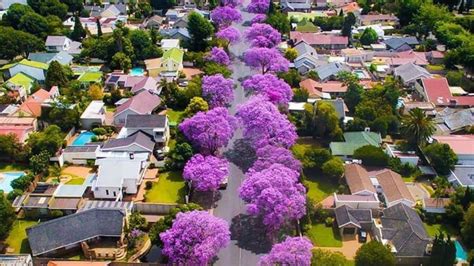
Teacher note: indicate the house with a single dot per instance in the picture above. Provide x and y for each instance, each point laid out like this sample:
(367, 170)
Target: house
(172, 15)
(435, 57)
(134, 84)
(320, 41)
(401, 58)
(358, 180)
(400, 44)
(140, 104)
(79, 154)
(5, 4)
(33, 69)
(94, 115)
(370, 201)
(335, 3)
(353, 141)
(155, 126)
(330, 70)
(15, 260)
(138, 142)
(338, 105)
(451, 120)
(313, 89)
(436, 90)
(56, 44)
(462, 175)
(113, 11)
(427, 107)
(21, 83)
(34, 103)
(62, 57)
(402, 229)
(119, 174)
(295, 5)
(153, 22)
(168, 65)
(409, 73)
(181, 23)
(325, 90)
(435, 205)
(53, 237)
(8, 109)
(181, 34)
(36, 203)
(167, 44)
(408, 157)
(393, 189)
(353, 55)
(462, 146)
(350, 220)
(384, 19)
(21, 127)
(308, 58)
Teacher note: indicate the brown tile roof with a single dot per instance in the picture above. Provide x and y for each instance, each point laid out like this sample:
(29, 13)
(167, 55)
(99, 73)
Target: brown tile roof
(393, 186)
(357, 179)
(435, 203)
(310, 86)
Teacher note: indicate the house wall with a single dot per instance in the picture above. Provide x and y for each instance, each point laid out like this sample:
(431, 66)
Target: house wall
(435, 210)
(107, 192)
(88, 122)
(154, 72)
(36, 73)
(120, 118)
(130, 185)
(170, 65)
(78, 157)
(404, 201)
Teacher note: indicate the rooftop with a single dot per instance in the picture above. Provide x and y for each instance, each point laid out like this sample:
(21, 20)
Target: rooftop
(146, 121)
(94, 110)
(460, 144)
(393, 187)
(357, 179)
(347, 215)
(437, 91)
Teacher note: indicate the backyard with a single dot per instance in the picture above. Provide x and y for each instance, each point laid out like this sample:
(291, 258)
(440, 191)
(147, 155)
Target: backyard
(173, 116)
(17, 240)
(433, 229)
(318, 185)
(170, 188)
(323, 236)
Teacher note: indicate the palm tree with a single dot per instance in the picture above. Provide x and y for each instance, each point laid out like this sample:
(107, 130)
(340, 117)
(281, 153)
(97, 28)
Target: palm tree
(417, 127)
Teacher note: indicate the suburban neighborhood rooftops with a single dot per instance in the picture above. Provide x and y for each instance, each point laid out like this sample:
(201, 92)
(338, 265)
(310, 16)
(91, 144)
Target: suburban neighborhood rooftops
(62, 57)
(56, 40)
(347, 215)
(113, 170)
(75, 228)
(358, 179)
(64, 203)
(37, 201)
(106, 204)
(437, 91)
(460, 144)
(26, 62)
(85, 148)
(318, 38)
(174, 54)
(356, 198)
(397, 42)
(145, 121)
(435, 202)
(328, 70)
(393, 187)
(410, 72)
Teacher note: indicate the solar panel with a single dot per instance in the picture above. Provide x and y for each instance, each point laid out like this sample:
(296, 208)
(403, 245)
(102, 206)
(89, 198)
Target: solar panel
(114, 79)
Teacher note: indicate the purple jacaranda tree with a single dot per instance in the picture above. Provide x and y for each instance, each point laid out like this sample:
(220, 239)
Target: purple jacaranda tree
(292, 251)
(206, 173)
(263, 35)
(219, 56)
(258, 6)
(268, 155)
(275, 194)
(195, 238)
(217, 90)
(209, 131)
(269, 85)
(264, 125)
(223, 16)
(232, 3)
(229, 34)
(259, 18)
(266, 59)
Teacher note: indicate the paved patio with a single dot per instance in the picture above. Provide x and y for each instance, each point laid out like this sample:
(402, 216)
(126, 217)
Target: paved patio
(350, 245)
(418, 191)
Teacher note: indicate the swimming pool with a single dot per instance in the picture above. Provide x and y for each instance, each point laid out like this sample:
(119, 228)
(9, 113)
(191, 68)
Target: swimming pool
(6, 178)
(137, 71)
(361, 74)
(461, 253)
(83, 139)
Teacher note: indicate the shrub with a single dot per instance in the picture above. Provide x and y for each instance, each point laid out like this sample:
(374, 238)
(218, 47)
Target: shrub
(371, 156)
(333, 168)
(329, 221)
(148, 185)
(441, 157)
(23, 182)
(13, 194)
(56, 213)
(99, 131)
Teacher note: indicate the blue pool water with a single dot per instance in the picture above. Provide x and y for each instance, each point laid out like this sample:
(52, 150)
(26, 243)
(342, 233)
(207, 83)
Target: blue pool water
(137, 71)
(359, 73)
(7, 178)
(461, 253)
(83, 139)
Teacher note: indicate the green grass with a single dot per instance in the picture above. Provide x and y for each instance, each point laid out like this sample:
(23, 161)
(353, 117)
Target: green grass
(171, 144)
(76, 181)
(17, 237)
(303, 145)
(174, 116)
(110, 108)
(433, 229)
(169, 189)
(12, 167)
(318, 185)
(435, 67)
(323, 236)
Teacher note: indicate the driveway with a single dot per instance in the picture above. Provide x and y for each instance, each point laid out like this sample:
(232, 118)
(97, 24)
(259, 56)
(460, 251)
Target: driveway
(418, 191)
(349, 248)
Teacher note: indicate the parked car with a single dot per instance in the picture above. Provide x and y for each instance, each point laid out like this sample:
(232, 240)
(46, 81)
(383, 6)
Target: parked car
(224, 183)
(362, 236)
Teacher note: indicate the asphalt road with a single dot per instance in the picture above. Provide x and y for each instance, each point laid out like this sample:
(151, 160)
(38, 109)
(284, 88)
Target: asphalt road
(248, 241)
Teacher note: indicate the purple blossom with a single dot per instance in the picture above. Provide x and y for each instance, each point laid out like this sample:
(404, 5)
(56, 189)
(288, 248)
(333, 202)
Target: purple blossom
(225, 15)
(263, 35)
(230, 34)
(219, 56)
(209, 131)
(232, 3)
(195, 238)
(258, 6)
(292, 251)
(206, 172)
(136, 233)
(217, 90)
(259, 18)
(268, 155)
(265, 125)
(274, 194)
(269, 85)
(266, 59)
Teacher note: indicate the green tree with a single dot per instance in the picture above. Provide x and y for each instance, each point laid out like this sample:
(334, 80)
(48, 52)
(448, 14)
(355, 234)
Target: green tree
(197, 104)
(353, 96)
(441, 157)
(212, 68)
(137, 221)
(145, 9)
(328, 258)
(63, 115)
(163, 4)
(7, 216)
(78, 33)
(95, 92)
(53, 7)
(292, 77)
(35, 24)
(349, 21)
(374, 253)
(315, 158)
(121, 61)
(334, 168)
(23, 182)
(322, 120)
(291, 54)
(279, 21)
(300, 95)
(14, 14)
(49, 140)
(428, 15)
(39, 163)
(74, 6)
(99, 27)
(467, 229)
(200, 30)
(11, 150)
(369, 36)
(452, 34)
(371, 156)
(444, 251)
(405, 10)
(417, 127)
(179, 155)
(56, 75)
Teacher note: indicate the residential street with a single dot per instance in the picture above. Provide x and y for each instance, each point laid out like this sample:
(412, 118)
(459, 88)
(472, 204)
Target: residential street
(248, 242)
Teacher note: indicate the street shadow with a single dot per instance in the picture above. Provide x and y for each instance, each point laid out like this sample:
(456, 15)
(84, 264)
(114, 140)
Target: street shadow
(241, 154)
(206, 199)
(249, 232)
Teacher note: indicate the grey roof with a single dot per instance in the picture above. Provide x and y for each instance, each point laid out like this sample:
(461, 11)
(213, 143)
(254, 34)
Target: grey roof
(55, 40)
(75, 228)
(456, 119)
(174, 33)
(295, 4)
(346, 214)
(331, 69)
(397, 42)
(85, 148)
(409, 72)
(62, 57)
(304, 48)
(145, 121)
(138, 138)
(404, 228)
(462, 175)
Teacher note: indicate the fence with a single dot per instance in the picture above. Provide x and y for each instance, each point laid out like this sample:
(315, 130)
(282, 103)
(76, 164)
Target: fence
(154, 208)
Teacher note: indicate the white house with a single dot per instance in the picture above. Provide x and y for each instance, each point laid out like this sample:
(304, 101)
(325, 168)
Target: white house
(142, 103)
(119, 174)
(93, 115)
(57, 44)
(156, 126)
(167, 44)
(78, 154)
(409, 157)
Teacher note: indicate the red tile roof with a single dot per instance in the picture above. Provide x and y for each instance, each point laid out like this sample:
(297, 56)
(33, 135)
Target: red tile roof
(437, 91)
(310, 86)
(318, 39)
(142, 103)
(21, 132)
(460, 144)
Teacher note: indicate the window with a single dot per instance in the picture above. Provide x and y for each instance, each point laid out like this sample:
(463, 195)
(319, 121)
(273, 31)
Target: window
(107, 192)
(115, 194)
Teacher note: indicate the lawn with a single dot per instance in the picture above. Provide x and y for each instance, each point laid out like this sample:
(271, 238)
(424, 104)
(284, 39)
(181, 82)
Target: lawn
(76, 181)
(323, 236)
(174, 116)
(170, 188)
(433, 229)
(17, 237)
(435, 67)
(12, 167)
(318, 185)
